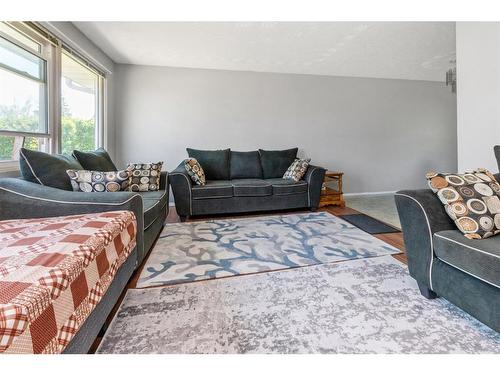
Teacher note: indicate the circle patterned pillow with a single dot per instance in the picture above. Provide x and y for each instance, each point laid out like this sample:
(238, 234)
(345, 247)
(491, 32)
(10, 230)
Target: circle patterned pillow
(145, 176)
(297, 170)
(195, 171)
(472, 200)
(95, 181)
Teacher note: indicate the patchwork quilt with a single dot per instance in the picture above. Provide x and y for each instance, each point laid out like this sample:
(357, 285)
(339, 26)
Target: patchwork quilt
(53, 272)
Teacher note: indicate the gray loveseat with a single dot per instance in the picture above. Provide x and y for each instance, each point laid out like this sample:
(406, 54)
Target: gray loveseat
(21, 199)
(240, 182)
(444, 262)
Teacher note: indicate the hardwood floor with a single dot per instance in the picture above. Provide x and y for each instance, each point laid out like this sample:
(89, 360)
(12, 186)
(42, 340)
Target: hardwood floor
(394, 239)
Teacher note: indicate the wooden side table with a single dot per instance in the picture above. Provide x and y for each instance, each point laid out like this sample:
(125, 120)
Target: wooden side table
(331, 191)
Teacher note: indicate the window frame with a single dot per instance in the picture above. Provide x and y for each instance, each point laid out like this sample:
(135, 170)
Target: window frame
(51, 50)
(100, 96)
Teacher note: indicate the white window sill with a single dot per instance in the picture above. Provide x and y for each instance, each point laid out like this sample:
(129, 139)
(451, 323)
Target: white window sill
(9, 166)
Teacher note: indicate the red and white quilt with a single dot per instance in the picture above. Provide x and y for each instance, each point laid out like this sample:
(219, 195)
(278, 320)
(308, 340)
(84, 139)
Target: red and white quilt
(53, 272)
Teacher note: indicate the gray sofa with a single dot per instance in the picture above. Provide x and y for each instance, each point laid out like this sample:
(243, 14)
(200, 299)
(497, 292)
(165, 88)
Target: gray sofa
(240, 182)
(447, 264)
(21, 199)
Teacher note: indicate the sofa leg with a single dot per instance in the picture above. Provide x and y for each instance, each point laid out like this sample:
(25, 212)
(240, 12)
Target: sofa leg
(426, 292)
(184, 218)
(314, 209)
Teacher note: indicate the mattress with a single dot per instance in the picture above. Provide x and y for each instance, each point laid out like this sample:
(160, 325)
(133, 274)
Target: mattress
(53, 273)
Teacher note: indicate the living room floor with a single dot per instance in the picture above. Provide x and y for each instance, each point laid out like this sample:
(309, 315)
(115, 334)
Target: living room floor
(379, 206)
(394, 239)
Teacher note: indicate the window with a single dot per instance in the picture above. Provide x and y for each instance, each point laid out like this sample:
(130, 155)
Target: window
(79, 106)
(51, 99)
(23, 93)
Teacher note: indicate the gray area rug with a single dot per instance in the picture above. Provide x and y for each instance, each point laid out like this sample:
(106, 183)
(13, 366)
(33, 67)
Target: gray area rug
(360, 306)
(219, 248)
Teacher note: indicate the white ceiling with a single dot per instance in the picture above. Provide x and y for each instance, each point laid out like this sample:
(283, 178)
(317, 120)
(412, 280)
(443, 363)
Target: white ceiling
(401, 50)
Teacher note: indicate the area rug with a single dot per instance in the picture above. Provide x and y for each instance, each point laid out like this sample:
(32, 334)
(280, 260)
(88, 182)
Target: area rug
(369, 224)
(220, 248)
(361, 306)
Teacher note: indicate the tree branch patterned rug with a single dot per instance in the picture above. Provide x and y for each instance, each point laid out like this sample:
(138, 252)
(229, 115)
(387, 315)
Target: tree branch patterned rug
(360, 306)
(220, 248)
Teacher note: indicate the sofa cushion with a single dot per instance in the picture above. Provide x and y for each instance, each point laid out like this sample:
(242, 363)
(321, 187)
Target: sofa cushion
(145, 176)
(98, 160)
(251, 187)
(480, 259)
(275, 163)
(153, 202)
(213, 189)
(472, 200)
(96, 181)
(245, 164)
(46, 169)
(195, 171)
(297, 169)
(287, 187)
(215, 164)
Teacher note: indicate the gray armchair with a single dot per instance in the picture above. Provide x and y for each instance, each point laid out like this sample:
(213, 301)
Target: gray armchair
(447, 264)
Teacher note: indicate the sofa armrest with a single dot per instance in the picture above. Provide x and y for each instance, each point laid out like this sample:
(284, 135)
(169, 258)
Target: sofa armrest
(181, 189)
(421, 214)
(314, 177)
(21, 199)
(164, 182)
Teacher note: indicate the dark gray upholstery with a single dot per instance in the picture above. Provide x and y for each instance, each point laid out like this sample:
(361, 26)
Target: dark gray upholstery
(285, 187)
(472, 295)
(98, 160)
(251, 187)
(275, 162)
(245, 194)
(215, 163)
(438, 266)
(21, 199)
(479, 258)
(89, 330)
(213, 189)
(245, 164)
(46, 169)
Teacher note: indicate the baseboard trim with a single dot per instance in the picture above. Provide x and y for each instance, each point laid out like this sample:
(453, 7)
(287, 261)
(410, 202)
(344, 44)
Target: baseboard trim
(370, 193)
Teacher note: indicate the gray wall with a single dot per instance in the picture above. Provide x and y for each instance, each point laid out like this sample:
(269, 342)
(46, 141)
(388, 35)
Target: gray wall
(384, 134)
(478, 94)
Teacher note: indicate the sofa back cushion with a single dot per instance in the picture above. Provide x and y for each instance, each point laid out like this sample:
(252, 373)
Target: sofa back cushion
(46, 169)
(275, 163)
(98, 160)
(215, 164)
(245, 164)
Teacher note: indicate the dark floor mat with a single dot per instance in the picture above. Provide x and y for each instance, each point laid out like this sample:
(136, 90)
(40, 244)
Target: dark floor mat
(369, 224)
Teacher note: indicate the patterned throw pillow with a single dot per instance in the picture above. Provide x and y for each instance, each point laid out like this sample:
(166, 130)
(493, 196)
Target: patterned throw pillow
(96, 181)
(472, 200)
(195, 171)
(145, 176)
(297, 170)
